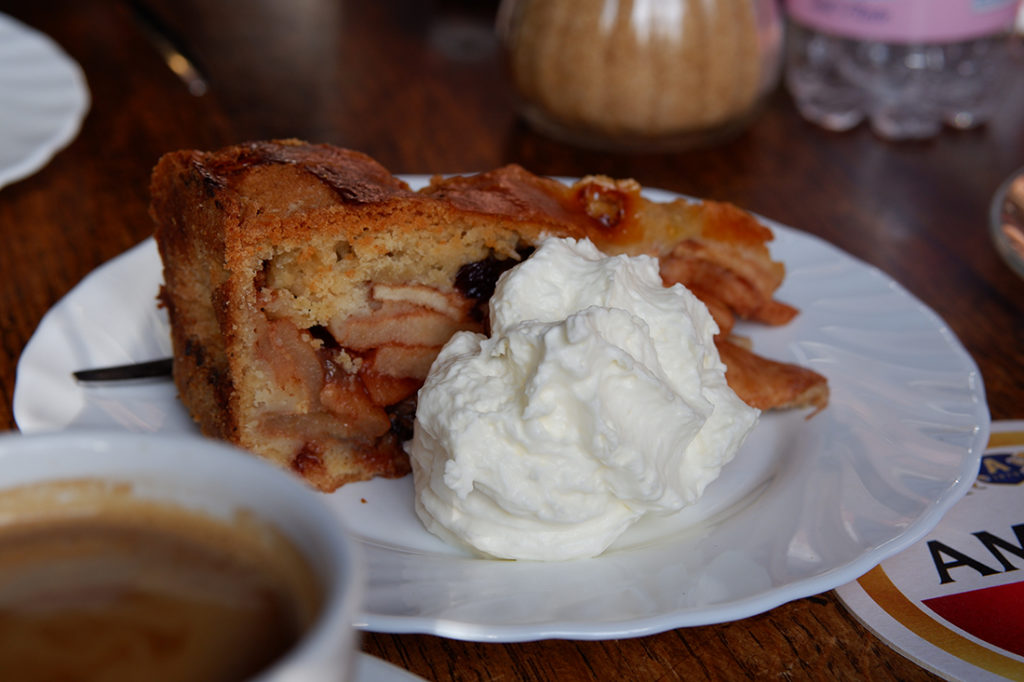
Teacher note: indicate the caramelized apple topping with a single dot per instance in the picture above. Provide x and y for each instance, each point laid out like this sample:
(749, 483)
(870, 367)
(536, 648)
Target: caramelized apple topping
(354, 367)
(767, 384)
(293, 362)
(723, 274)
(603, 200)
(348, 399)
(453, 305)
(400, 360)
(397, 322)
(386, 390)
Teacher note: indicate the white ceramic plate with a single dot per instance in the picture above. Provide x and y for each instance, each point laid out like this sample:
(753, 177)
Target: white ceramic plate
(43, 99)
(807, 505)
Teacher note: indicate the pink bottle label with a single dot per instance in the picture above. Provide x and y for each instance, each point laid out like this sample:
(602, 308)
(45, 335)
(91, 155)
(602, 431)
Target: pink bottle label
(906, 21)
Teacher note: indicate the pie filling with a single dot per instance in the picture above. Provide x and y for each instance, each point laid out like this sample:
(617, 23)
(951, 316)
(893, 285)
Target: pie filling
(355, 377)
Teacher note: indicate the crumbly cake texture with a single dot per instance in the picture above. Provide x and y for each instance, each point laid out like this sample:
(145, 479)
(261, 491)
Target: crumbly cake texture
(309, 289)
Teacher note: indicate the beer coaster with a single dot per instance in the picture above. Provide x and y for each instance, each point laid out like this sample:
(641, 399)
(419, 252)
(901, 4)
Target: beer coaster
(954, 601)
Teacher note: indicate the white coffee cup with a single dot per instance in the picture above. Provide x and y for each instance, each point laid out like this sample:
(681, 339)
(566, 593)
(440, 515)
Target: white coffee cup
(219, 481)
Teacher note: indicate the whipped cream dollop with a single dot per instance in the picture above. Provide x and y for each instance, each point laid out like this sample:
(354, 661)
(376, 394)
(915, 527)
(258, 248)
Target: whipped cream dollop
(598, 397)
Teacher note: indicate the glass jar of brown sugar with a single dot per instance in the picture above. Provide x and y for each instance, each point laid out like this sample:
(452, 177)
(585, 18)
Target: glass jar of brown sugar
(641, 75)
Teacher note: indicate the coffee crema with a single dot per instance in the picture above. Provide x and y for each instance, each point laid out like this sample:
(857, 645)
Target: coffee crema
(97, 583)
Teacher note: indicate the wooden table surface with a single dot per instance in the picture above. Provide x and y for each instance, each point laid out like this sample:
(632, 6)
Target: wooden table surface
(418, 85)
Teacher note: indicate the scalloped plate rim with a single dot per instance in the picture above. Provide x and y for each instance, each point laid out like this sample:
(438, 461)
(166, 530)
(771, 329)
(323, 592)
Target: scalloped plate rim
(76, 105)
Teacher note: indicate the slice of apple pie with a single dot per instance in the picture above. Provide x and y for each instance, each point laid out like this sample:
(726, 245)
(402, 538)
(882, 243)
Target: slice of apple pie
(309, 290)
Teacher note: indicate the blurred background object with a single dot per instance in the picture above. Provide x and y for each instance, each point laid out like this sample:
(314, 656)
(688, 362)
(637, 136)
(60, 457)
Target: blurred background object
(644, 75)
(907, 66)
(1006, 221)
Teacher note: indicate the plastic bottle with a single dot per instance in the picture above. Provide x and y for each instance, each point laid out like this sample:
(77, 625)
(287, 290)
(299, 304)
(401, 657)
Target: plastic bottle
(907, 66)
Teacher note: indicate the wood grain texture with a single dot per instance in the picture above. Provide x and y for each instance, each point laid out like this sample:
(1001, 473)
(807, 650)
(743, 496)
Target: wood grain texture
(418, 84)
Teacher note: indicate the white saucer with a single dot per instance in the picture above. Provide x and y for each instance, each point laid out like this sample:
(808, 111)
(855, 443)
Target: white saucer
(43, 100)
